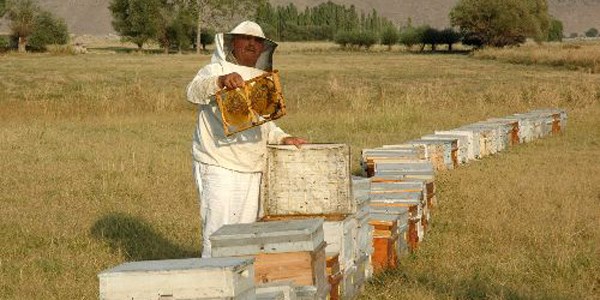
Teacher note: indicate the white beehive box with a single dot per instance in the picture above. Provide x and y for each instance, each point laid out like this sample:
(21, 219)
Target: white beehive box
(312, 180)
(194, 278)
(283, 290)
(389, 154)
(450, 151)
(526, 133)
(267, 237)
(461, 144)
(470, 138)
(488, 136)
(435, 153)
(363, 236)
(339, 236)
(415, 169)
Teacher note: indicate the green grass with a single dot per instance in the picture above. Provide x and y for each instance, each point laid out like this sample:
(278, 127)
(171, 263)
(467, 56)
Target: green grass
(96, 167)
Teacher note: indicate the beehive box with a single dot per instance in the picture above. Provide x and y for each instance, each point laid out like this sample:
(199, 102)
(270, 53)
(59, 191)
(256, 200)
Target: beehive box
(488, 138)
(385, 242)
(363, 235)
(559, 118)
(414, 169)
(470, 138)
(339, 236)
(335, 275)
(283, 250)
(312, 180)
(450, 151)
(348, 290)
(410, 222)
(461, 144)
(526, 133)
(425, 187)
(434, 153)
(389, 154)
(512, 127)
(283, 290)
(194, 278)
(502, 131)
(311, 293)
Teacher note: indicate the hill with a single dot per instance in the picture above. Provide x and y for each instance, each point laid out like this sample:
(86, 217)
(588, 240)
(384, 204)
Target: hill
(93, 17)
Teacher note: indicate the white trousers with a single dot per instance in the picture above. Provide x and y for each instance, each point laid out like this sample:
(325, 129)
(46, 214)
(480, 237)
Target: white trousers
(226, 197)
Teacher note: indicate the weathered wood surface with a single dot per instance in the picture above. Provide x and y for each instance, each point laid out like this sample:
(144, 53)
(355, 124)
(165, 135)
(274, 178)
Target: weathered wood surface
(450, 149)
(434, 152)
(314, 179)
(194, 278)
(461, 144)
(363, 236)
(489, 138)
(267, 237)
(469, 139)
(276, 290)
(389, 154)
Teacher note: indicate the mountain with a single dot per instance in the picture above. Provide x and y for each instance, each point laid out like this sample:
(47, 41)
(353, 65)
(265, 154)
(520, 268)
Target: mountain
(93, 17)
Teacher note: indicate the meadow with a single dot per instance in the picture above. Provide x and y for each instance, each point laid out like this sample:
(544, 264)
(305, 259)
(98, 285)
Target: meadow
(96, 167)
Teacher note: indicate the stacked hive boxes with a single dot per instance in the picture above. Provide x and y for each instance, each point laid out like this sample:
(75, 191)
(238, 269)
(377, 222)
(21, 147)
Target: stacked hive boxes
(329, 229)
(314, 181)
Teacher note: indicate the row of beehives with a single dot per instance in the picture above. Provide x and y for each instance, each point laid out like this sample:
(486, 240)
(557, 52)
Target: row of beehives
(402, 193)
(324, 231)
(313, 242)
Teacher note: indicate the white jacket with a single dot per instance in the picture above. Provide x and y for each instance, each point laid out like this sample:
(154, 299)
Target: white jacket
(244, 151)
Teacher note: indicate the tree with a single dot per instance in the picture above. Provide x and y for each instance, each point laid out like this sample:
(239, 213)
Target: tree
(555, 33)
(449, 37)
(48, 30)
(592, 32)
(410, 36)
(390, 36)
(502, 22)
(431, 36)
(136, 20)
(22, 15)
(221, 14)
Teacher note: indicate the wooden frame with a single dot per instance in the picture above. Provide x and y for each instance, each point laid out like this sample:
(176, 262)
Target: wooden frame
(259, 101)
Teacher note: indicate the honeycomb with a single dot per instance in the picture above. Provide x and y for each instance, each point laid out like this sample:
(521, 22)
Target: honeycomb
(236, 111)
(264, 96)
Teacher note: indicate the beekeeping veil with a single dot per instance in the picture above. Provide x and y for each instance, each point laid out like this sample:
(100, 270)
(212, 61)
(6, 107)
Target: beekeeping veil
(224, 44)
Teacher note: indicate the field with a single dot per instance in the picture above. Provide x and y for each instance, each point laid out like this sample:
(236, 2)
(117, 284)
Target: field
(96, 167)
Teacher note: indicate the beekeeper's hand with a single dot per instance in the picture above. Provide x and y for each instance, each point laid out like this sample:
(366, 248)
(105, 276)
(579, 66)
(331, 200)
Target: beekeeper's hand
(292, 140)
(231, 81)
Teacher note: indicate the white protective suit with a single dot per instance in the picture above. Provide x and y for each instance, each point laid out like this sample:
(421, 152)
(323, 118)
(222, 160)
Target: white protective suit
(228, 169)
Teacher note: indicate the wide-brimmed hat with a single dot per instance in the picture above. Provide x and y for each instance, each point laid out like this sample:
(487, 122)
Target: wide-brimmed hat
(265, 61)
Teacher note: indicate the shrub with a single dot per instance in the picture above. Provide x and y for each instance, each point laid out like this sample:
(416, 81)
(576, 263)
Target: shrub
(48, 30)
(592, 32)
(343, 38)
(555, 33)
(4, 44)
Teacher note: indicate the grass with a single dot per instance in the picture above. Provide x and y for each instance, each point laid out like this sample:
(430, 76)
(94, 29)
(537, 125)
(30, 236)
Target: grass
(96, 164)
(577, 55)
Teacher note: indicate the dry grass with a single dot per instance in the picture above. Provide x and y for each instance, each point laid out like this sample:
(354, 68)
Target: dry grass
(579, 55)
(96, 168)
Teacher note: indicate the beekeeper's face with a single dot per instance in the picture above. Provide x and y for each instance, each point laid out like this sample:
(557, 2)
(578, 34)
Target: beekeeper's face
(247, 49)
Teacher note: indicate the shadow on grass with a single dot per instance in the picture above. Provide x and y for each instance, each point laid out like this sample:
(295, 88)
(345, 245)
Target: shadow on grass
(136, 239)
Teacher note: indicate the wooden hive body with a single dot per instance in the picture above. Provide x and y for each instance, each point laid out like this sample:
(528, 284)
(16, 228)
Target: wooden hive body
(512, 129)
(385, 239)
(525, 128)
(283, 250)
(450, 150)
(194, 278)
(412, 169)
(461, 144)
(335, 275)
(470, 138)
(488, 136)
(312, 180)
(339, 236)
(389, 154)
(435, 153)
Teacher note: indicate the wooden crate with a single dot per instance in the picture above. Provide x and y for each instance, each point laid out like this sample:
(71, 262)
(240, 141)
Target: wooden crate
(194, 278)
(461, 145)
(312, 180)
(283, 250)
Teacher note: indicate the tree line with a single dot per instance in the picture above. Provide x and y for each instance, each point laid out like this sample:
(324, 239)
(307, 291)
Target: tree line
(190, 24)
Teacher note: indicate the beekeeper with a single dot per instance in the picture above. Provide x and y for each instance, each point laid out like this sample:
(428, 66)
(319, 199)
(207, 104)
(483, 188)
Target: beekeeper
(228, 170)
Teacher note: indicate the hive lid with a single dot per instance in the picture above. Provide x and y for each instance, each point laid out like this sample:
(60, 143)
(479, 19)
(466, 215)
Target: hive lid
(268, 229)
(179, 265)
